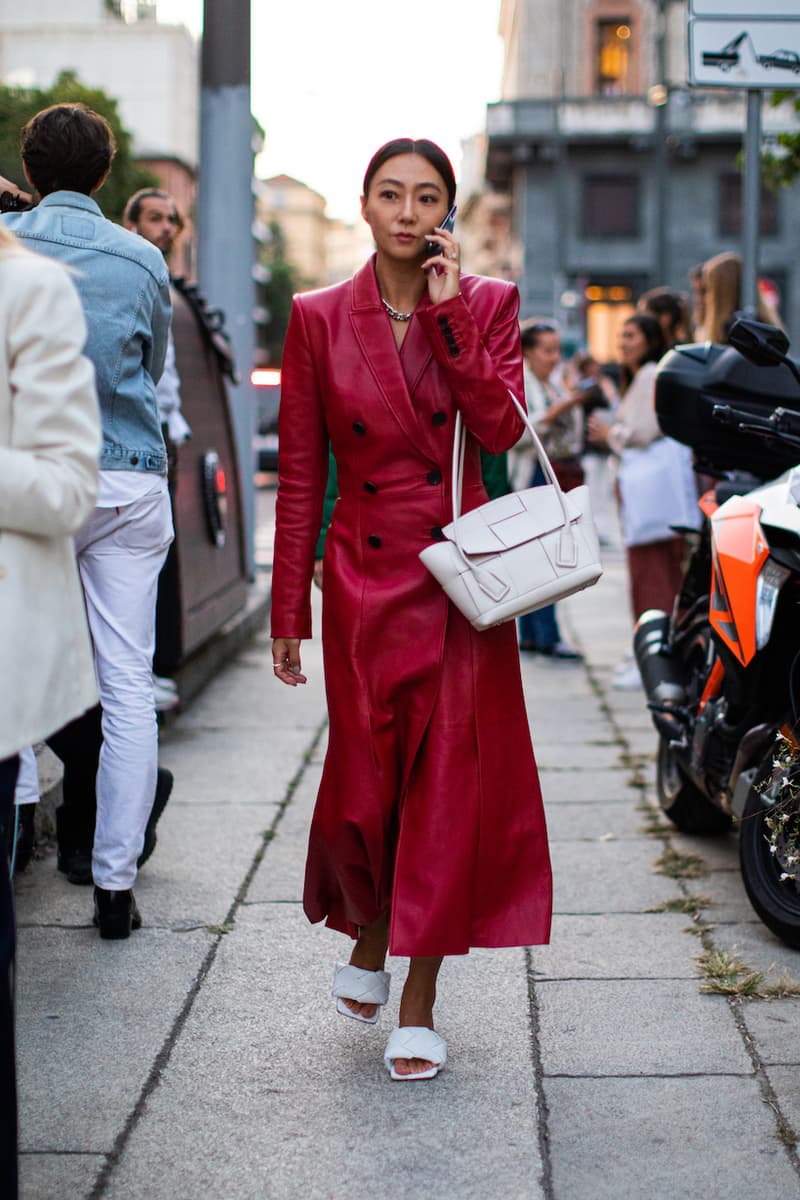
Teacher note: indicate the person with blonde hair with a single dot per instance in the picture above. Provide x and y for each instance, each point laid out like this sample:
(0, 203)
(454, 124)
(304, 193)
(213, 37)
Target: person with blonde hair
(49, 447)
(722, 280)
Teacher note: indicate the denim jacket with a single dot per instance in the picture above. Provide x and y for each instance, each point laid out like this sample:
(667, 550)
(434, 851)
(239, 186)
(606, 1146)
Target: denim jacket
(124, 287)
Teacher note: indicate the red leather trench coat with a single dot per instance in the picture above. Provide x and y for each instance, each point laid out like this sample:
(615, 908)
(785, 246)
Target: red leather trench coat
(429, 803)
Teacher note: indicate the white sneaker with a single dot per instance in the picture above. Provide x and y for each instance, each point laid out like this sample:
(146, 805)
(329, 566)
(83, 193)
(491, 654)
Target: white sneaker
(626, 677)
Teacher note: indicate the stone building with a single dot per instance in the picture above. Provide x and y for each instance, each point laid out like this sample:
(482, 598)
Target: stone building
(622, 177)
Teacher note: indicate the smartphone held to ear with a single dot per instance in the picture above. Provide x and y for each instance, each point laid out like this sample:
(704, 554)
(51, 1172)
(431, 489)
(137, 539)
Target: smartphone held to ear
(433, 248)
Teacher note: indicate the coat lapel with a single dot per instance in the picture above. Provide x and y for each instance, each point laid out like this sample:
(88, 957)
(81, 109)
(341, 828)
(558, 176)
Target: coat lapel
(376, 342)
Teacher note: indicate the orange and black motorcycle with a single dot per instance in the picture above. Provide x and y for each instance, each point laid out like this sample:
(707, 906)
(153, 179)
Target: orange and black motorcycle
(722, 671)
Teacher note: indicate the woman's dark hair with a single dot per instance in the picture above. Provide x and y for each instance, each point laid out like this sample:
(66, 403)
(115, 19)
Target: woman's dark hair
(533, 329)
(660, 302)
(655, 344)
(427, 150)
(67, 147)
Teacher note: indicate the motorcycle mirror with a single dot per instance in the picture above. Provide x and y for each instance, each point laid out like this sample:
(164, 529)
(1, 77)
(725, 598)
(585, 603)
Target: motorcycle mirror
(763, 345)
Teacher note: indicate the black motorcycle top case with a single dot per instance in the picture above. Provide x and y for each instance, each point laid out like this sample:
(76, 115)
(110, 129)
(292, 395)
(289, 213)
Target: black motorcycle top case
(692, 379)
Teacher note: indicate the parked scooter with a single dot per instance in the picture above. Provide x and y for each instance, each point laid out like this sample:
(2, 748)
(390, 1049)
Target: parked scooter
(721, 672)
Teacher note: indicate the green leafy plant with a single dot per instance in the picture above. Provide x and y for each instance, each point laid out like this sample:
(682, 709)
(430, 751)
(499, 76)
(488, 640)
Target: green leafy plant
(782, 168)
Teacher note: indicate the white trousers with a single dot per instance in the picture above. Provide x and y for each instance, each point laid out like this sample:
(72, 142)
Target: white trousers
(120, 553)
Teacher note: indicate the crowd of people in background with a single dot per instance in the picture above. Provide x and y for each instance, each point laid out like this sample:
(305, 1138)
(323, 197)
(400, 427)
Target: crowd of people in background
(598, 425)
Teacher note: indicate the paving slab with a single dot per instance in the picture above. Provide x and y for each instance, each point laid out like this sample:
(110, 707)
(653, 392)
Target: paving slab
(309, 1106)
(622, 946)
(664, 1139)
(637, 1027)
(576, 755)
(279, 877)
(719, 852)
(773, 1025)
(91, 1017)
(731, 905)
(51, 1176)
(606, 877)
(786, 1084)
(568, 821)
(759, 948)
(592, 786)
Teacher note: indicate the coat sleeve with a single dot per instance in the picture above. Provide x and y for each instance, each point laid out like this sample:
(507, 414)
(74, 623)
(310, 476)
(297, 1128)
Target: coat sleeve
(48, 472)
(302, 476)
(160, 322)
(481, 368)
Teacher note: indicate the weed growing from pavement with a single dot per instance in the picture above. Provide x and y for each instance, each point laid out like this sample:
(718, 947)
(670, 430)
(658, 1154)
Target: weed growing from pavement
(725, 973)
(683, 904)
(653, 827)
(680, 866)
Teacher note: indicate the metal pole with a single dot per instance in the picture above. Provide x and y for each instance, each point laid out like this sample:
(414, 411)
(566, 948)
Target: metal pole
(225, 213)
(751, 211)
(661, 174)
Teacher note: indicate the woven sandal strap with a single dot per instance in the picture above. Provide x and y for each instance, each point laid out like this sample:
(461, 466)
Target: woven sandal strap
(354, 983)
(415, 1041)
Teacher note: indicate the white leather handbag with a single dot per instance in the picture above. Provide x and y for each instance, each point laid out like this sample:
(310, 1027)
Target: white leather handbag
(519, 552)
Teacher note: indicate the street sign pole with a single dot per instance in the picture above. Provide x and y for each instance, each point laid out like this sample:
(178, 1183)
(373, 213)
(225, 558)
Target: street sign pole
(751, 212)
(731, 46)
(225, 212)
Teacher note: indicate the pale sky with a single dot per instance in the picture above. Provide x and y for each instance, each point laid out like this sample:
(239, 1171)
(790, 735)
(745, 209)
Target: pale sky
(332, 81)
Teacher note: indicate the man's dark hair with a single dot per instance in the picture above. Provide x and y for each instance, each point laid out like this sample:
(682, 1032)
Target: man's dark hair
(532, 330)
(67, 147)
(133, 209)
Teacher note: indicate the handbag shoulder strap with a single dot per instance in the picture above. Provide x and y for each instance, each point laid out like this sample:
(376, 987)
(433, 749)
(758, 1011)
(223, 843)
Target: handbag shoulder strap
(567, 545)
(459, 449)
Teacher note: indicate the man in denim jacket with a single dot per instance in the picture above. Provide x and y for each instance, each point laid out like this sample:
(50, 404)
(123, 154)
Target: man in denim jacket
(123, 283)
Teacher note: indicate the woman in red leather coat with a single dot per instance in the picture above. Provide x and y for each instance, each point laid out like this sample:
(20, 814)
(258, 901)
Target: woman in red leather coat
(428, 835)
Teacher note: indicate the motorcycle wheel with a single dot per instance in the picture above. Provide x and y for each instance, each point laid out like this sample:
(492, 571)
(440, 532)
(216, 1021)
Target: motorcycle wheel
(682, 801)
(777, 903)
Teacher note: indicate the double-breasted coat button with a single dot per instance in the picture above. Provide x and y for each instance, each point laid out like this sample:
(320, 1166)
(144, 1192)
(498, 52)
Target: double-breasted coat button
(442, 321)
(439, 418)
(374, 541)
(370, 487)
(437, 533)
(359, 427)
(434, 476)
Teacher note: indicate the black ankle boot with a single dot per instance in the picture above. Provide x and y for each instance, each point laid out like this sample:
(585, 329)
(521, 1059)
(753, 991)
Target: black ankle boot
(74, 850)
(115, 913)
(164, 782)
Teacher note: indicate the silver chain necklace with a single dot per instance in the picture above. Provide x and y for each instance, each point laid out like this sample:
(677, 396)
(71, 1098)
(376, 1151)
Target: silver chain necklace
(394, 314)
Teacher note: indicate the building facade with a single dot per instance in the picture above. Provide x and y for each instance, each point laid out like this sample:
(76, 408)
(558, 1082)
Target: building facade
(621, 177)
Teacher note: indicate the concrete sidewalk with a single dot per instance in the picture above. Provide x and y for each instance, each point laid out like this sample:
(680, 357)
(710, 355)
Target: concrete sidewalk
(203, 1057)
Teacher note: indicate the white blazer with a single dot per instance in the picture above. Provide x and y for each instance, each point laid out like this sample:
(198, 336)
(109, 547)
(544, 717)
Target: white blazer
(49, 448)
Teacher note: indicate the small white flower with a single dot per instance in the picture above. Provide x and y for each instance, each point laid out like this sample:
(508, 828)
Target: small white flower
(773, 849)
(784, 877)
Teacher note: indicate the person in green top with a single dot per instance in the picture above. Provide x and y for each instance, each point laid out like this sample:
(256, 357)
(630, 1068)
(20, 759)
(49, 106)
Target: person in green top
(494, 469)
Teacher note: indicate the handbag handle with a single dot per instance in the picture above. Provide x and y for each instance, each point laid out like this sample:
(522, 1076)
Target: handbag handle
(567, 550)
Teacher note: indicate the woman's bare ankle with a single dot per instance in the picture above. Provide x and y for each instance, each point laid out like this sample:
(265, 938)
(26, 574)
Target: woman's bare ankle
(370, 950)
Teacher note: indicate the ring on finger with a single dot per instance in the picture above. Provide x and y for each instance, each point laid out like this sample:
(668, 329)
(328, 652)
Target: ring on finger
(454, 255)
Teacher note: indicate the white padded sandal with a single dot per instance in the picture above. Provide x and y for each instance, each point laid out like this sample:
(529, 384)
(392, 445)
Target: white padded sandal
(415, 1041)
(366, 987)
